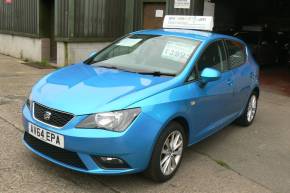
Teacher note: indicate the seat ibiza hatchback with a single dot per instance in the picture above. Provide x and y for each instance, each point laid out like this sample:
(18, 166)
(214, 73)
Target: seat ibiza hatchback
(137, 104)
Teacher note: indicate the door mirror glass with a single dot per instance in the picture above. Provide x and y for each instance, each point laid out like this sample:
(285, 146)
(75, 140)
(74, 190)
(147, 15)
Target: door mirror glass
(209, 75)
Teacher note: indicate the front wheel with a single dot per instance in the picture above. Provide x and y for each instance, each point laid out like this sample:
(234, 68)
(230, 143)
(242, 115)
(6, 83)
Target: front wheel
(248, 116)
(168, 152)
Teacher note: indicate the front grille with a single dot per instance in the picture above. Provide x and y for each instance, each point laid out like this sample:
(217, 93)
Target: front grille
(56, 153)
(56, 118)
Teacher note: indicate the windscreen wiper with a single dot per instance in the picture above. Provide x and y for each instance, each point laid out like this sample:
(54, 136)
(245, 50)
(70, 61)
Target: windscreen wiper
(112, 67)
(157, 73)
(154, 73)
(105, 66)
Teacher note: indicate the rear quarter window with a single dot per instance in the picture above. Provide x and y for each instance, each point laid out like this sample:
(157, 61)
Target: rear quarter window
(237, 53)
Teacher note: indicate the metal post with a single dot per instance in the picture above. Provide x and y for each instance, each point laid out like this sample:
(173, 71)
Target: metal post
(129, 16)
(71, 15)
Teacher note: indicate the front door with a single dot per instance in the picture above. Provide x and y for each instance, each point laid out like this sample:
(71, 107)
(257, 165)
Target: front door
(153, 15)
(213, 103)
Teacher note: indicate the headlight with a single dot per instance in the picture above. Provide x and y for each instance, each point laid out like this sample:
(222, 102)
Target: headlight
(115, 121)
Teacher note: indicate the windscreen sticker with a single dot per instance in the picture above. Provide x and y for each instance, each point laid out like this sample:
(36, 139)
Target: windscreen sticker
(129, 42)
(177, 51)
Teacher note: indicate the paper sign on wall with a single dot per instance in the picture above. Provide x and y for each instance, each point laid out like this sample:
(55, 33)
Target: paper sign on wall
(159, 13)
(182, 4)
(208, 8)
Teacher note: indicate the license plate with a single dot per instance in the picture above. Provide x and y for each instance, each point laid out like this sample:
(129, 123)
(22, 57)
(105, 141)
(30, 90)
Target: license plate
(46, 136)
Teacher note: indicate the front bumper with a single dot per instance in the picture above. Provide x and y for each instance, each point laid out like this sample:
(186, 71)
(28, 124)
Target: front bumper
(134, 146)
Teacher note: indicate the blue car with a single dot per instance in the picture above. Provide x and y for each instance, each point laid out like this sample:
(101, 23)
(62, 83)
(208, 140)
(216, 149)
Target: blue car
(137, 104)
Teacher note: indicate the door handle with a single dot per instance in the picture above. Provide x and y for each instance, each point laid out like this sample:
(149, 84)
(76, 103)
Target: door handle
(252, 75)
(230, 82)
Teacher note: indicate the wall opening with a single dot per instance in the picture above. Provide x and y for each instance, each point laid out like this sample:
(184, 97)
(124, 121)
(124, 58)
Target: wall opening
(153, 15)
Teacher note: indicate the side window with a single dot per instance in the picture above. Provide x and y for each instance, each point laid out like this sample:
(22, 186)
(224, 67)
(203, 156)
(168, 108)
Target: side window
(237, 53)
(213, 57)
(193, 76)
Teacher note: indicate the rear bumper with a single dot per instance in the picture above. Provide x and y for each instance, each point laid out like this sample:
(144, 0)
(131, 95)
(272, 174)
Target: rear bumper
(134, 146)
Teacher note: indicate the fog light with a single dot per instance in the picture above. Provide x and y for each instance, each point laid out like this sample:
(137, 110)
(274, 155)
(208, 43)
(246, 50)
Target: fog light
(110, 163)
(111, 160)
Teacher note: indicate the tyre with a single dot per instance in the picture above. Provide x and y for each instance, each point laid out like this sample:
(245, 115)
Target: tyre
(249, 114)
(167, 154)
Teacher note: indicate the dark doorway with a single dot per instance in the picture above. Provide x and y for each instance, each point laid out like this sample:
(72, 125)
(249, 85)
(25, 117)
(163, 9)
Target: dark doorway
(153, 15)
(264, 26)
(53, 50)
(47, 25)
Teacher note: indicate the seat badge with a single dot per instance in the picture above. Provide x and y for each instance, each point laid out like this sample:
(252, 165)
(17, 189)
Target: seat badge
(47, 115)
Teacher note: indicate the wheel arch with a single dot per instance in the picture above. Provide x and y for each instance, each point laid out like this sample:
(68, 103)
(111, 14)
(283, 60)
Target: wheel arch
(181, 120)
(257, 91)
(184, 123)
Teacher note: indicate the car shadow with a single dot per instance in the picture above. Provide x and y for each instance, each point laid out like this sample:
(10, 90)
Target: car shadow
(216, 139)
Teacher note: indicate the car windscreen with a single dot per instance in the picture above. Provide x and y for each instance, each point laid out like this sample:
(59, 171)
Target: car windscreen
(147, 53)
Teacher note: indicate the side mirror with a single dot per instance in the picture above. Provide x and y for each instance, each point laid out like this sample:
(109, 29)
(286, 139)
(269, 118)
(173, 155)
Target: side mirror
(209, 75)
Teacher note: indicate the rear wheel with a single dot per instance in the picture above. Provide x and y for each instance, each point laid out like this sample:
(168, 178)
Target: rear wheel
(167, 154)
(250, 111)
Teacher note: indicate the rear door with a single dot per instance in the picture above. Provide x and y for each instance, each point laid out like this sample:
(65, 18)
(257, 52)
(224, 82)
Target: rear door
(242, 76)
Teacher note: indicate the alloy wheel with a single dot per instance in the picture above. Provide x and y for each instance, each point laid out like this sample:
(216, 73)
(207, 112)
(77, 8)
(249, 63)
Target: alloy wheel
(171, 153)
(252, 108)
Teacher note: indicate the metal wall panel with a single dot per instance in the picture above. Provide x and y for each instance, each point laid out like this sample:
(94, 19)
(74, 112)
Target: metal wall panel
(99, 18)
(81, 19)
(19, 17)
(138, 14)
(61, 18)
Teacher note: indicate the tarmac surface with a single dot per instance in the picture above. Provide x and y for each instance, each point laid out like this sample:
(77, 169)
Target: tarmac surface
(236, 160)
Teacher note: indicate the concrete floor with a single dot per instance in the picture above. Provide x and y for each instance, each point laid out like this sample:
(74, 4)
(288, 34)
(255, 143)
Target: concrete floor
(237, 159)
(276, 78)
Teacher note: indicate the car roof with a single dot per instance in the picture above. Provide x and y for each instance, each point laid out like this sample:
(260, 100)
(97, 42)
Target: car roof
(191, 34)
